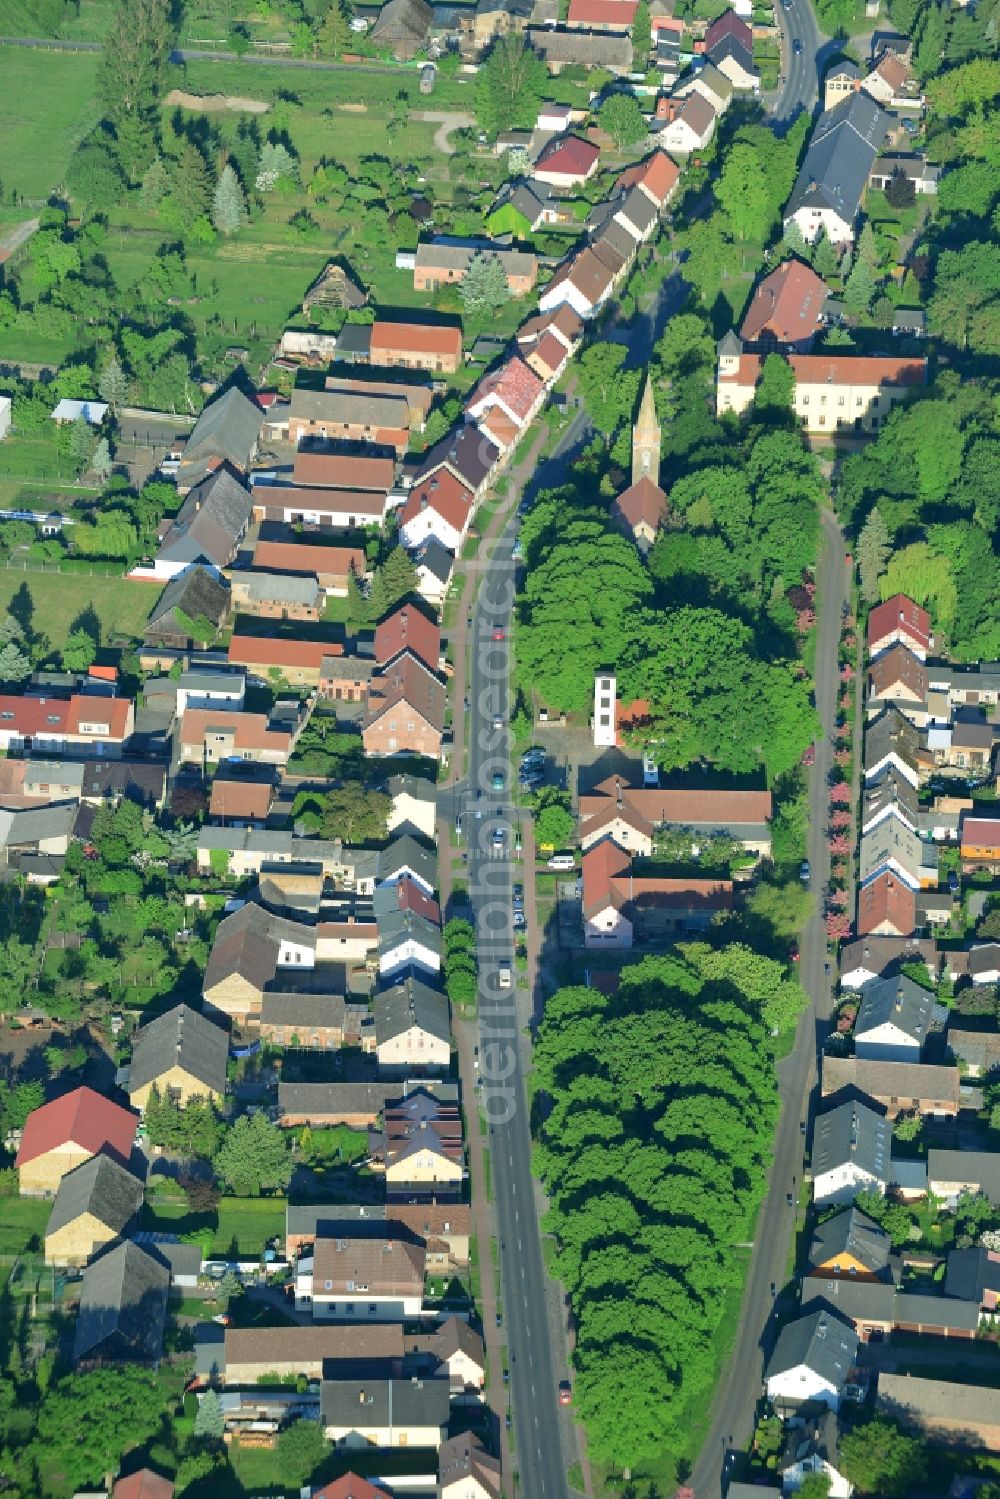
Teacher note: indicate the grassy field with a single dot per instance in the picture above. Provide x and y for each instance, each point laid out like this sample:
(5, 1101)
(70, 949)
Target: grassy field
(247, 1222)
(21, 1219)
(58, 598)
(48, 106)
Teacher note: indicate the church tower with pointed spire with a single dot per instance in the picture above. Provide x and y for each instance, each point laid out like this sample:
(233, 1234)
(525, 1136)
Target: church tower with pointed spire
(646, 439)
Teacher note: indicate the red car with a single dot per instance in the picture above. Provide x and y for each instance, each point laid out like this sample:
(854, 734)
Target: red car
(498, 633)
(793, 952)
(809, 755)
(565, 1392)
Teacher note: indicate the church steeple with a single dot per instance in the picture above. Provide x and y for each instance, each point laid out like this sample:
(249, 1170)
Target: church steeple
(646, 439)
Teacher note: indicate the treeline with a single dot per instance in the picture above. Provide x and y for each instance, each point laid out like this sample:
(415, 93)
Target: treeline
(654, 1113)
(710, 631)
(924, 501)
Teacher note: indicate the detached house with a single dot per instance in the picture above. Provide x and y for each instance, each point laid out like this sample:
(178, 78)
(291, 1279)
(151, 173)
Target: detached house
(729, 46)
(182, 1054)
(887, 907)
(832, 394)
(785, 309)
(95, 1204)
(408, 630)
(980, 846)
(466, 1471)
(893, 1020)
(226, 432)
(830, 186)
(364, 1277)
(568, 161)
(208, 736)
(851, 1149)
(61, 1135)
(812, 1361)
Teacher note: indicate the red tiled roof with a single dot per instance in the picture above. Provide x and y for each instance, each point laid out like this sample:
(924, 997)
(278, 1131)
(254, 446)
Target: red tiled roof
(658, 174)
(831, 370)
(619, 13)
(33, 715)
(363, 505)
(687, 808)
(260, 650)
(898, 667)
(729, 24)
(110, 715)
(514, 384)
(443, 493)
(551, 352)
(499, 428)
(665, 894)
(787, 303)
(571, 156)
(300, 557)
(81, 1118)
(144, 1485)
(415, 338)
(643, 501)
(250, 729)
(601, 863)
(408, 628)
(406, 680)
(349, 1487)
(240, 798)
(902, 614)
(981, 832)
(410, 897)
(887, 899)
(343, 470)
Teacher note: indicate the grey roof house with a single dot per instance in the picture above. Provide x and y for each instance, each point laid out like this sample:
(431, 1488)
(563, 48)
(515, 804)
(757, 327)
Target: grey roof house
(842, 150)
(893, 1020)
(208, 527)
(190, 596)
(227, 431)
(123, 1307)
(100, 1189)
(181, 1041)
(851, 1234)
(407, 1004)
(851, 1148)
(812, 1360)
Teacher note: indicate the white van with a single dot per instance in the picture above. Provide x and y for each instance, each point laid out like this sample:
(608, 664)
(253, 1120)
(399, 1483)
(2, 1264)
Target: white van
(563, 862)
(503, 973)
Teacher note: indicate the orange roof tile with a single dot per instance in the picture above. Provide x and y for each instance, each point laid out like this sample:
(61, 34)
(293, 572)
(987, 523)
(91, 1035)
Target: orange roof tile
(408, 629)
(415, 338)
(82, 1118)
(261, 650)
(443, 493)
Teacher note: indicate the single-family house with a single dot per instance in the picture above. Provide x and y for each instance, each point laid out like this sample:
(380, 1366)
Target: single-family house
(813, 1447)
(366, 1277)
(729, 46)
(870, 958)
(851, 1147)
(785, 309)
(407, 939)
(350, 1486)
(897, 1087)
(412, 1027)
(980, 842)
(385, 1413)
(569, 161)
(712, 84)
(892, 846)
(433, 565)
(96, 1202)
(467, 454)
(850, 1244)
(898, 676)
(64, 1133)
(893, 1020)
(514, 392)
(891, 83)
(899, 620)
(811, 1361)
(405, 858)
(974, 1275)
(226, 432)
(887, 907)
(254, 950)
(209, 735)
(583, 282)
(182, 1054)
(656, 176)
(208, 528)
(422, 1144)
(442, 507)
(877, 1310)
(890, 795)
(834, 174)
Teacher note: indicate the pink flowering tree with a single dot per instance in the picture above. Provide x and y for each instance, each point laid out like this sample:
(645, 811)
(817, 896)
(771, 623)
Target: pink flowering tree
(841, 818)
(838, 926)
(841, 792)
(840, 844)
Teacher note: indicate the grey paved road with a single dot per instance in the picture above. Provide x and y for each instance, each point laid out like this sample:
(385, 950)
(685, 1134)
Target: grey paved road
(800, 91)
(535, 1366)
(740, 1386)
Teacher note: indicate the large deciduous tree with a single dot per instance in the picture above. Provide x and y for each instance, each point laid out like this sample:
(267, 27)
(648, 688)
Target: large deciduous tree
(509, 85)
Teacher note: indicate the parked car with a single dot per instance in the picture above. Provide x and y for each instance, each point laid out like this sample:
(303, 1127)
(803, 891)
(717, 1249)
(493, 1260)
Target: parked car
(562, 862)
(805, 872)
(518, 891)
(565, 1392)
(953, 882)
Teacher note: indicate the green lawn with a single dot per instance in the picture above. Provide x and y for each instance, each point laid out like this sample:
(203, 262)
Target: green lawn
(58, 599)
(48, 106)
(249, 1222)
(21, 1219)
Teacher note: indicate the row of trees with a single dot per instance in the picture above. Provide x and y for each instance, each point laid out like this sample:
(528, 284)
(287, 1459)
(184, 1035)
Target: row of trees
(653, 1148)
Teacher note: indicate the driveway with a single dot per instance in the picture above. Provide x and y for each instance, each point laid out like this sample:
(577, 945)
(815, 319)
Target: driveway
(446, 121)
(740, 1385)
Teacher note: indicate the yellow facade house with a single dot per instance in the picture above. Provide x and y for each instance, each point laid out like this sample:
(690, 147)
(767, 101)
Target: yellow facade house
(61, 1135)
(95, 1204)
(183, 1055)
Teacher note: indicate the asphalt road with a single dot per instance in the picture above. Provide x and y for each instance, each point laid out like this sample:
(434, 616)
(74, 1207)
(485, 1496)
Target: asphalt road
(800, 91)
(539, 1426)
(740, 1386)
